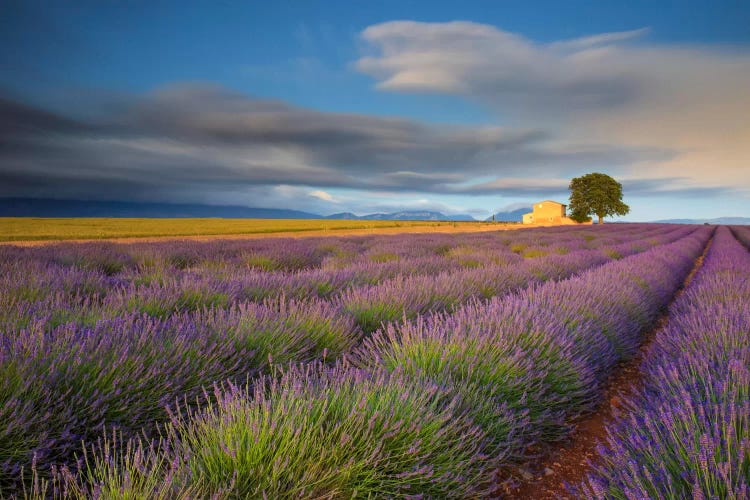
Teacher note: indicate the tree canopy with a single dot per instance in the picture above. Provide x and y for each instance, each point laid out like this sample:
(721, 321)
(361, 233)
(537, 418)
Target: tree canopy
(595, 194)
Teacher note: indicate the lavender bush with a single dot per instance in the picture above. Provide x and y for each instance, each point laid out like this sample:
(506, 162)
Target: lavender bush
(687, 433)
(312, 433)
(97, 339)
(525, 364)
(65, 385)
(409, 296)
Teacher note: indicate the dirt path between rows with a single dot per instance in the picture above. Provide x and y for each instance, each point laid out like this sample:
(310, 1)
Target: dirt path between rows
(284, 234)
(569, 463)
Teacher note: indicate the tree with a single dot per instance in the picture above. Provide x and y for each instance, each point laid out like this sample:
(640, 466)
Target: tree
(597, 194)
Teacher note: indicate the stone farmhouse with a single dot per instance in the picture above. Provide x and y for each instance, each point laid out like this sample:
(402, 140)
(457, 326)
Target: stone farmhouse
(548, 213)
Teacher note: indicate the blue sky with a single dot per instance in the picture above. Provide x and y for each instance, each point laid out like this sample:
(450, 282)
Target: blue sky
(470, 106)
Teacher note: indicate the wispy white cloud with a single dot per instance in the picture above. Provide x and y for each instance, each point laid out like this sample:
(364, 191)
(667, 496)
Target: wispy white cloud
(611, 88)
(501, 67)
(602, 39)
(322, 195)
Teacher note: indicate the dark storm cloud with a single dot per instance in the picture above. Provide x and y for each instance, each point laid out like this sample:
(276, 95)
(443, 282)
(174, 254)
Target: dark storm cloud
(673, 187)
(188, 139)
(655, 187)
(19, 119)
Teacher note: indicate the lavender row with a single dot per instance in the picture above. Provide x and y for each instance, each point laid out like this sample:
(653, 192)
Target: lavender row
(407, 297)
(430, 407)
(687, 433)
(161, 294)
(63, 386)
(299, 254)
(173, 257)
(85, 369)
(528, 362)
(143, 264)
(63, 294)
(372, 278)
(313, 432)
(742, 233)
(113, 346)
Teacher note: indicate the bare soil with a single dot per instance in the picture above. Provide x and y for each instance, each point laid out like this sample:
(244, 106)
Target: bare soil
(568, 463)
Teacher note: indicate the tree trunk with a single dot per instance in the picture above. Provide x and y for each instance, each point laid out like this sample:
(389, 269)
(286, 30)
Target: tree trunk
(601, 219)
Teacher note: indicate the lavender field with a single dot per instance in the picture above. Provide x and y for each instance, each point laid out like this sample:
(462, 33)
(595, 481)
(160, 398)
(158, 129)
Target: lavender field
(687, 433)
(376, 366)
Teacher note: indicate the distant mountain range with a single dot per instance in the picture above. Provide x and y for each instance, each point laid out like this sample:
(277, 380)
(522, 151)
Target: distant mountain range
(511, 216)
(38, 207)
(45, 207)
(404, 215)
(720, 220)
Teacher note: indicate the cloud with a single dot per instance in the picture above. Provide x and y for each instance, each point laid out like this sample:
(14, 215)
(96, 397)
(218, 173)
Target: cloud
(321, 195)
(21, 119)
(675, 187)
(610, 88)
(670, 187)
(189, 142)
(504, 68)
(588, 42)
(542, 187)
(510, 207)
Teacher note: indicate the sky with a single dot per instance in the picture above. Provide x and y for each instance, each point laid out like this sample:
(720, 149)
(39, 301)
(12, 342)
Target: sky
(333, 106)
